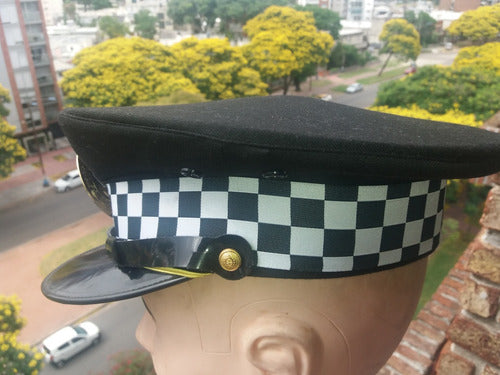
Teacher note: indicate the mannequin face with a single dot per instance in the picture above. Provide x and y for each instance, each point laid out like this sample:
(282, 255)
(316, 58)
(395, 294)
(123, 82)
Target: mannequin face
(257, 326)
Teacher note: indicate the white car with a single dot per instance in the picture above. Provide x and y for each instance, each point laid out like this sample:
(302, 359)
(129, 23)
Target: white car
(69, 181)
(354, 87)
(69, 341)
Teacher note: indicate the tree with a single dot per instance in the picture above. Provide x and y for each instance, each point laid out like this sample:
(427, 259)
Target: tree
(112, 27)
(424, 24)
(400, 38)
(284, 41)
(192, 12)
(344, 55)
(11, 151)
(453, 115)
(122, 72)
(201, 14)
(145, 24)
(485, 57)
(15, 358)
(325, 19)
(438, 89)
(479, 26)
(218, 70)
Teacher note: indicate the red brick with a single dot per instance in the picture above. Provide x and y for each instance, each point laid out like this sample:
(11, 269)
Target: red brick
(453, 283)
(403, 367)
(427, 331)
(460, 275)
(452, 364)
(445, 289)
(385, 371)
(490, 371)
(480, 299)
(414, 356)
(476, 338)
(433, 320)
(452, 305)
(422, 343)
(440, 310)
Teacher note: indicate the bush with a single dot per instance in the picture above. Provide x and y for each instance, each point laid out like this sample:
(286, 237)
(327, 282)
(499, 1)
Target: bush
(15, 358)
(347, 55)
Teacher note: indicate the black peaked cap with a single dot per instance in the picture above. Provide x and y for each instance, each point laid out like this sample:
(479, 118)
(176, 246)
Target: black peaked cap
(308, 139)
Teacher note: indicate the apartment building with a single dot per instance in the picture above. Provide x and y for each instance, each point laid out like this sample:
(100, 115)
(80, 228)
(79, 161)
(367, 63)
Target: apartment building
(27, 71)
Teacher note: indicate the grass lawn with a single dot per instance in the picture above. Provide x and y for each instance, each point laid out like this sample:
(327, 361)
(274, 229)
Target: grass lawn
(339, 88)
(78, 246)
(388, 74)
(356, 72)
(320, 82)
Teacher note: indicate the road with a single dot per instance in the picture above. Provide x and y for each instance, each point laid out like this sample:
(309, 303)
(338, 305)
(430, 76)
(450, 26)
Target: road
(360, 99)
(118, 322)
(43, 214)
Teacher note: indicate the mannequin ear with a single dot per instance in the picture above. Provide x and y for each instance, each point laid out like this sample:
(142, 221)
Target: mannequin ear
(281, 345)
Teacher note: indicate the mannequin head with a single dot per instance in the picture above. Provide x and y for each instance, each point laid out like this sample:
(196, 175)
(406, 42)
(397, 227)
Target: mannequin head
(280, 326)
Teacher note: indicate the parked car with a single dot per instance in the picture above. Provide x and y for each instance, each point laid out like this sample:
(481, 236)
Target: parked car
(69, 181)
(69, 341)
(354, 87)
(412, 69)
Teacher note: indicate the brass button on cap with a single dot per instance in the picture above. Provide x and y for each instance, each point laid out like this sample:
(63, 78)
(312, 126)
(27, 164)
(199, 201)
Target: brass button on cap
(229, 260)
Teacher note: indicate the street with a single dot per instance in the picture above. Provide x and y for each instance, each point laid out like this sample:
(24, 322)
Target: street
(43, 214)
(360, 99)
(118, 322)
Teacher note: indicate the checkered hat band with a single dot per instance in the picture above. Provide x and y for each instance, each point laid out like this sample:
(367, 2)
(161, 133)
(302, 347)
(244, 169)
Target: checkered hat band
(293, 226)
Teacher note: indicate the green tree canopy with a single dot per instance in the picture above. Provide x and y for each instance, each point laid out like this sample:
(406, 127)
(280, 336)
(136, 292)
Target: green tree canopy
(15, 358)
(400, 38)
(325, 19)
(219, 70)
(284, 41)
(145, 24)
(439, 89)
(112, 27)
(194, 12)
(11, 151)
(479, 25)
(424, 24)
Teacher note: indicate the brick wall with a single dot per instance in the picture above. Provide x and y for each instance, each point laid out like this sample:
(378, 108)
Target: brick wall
(458, 330)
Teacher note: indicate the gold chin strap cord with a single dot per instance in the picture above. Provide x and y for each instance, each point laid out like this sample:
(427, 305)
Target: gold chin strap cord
(177, 272)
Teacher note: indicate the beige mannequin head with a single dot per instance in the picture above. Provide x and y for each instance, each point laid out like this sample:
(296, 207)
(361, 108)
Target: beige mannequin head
(268, 326)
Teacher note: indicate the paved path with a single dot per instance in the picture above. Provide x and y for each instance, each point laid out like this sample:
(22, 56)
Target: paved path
(20, 275)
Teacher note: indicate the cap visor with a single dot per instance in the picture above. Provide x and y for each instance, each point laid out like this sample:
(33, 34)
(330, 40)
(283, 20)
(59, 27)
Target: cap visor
(94, 277)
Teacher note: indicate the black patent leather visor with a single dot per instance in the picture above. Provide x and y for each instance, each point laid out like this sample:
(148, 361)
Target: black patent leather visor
(95, 277)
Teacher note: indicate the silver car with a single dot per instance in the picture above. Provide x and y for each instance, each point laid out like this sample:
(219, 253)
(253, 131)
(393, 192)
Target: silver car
(354, 87)
(69, 181)
(69, 341)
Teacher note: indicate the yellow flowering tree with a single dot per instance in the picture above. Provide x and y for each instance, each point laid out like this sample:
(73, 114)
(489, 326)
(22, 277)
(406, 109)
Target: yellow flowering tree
(217, 69)
(122, 72)
(484, 57)
(454, 115)
(15, 358)
(10, 150)
(479, 25)
(284, 41)
(400, 38)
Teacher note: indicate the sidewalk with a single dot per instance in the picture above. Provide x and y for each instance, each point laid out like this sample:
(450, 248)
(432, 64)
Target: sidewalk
(27, 179)
(20, 272)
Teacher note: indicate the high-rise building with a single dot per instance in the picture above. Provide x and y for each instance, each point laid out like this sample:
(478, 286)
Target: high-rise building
(27, 71)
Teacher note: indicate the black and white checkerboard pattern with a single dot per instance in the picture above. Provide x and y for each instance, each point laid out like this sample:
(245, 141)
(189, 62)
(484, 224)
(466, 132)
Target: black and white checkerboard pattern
(293, 226)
